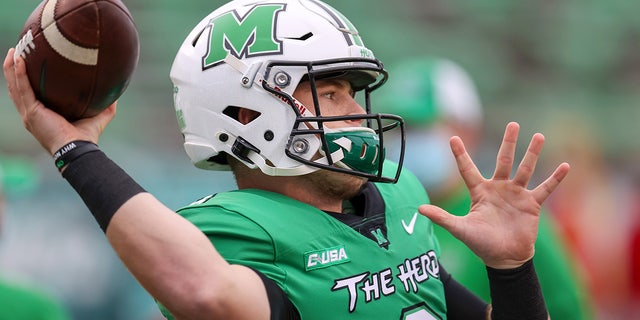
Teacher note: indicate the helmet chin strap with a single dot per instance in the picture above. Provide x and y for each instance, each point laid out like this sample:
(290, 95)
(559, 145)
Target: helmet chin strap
(302, 169)
(274, 171)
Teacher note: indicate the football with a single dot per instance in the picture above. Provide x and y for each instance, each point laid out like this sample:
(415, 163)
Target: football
(80, 54)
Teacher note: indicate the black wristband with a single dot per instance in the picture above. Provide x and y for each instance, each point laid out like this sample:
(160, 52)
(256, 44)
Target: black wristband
(516, 293)
(102, 184)
(72, 151)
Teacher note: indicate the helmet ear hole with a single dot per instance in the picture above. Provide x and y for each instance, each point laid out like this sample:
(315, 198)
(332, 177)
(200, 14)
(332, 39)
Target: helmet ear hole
(242, 115)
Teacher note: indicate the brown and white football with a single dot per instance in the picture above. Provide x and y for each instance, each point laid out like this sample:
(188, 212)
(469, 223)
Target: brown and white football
(80, 54)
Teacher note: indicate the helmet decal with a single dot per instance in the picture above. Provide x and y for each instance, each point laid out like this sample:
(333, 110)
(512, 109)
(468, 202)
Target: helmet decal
(243, 36)
(350, 33)
(253, 55)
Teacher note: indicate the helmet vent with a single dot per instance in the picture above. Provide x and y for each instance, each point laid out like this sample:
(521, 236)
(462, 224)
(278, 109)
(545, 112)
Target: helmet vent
(303, 38)
(233, 112)
(197, 37)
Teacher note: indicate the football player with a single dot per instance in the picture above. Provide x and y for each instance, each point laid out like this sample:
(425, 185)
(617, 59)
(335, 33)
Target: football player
(322, 226)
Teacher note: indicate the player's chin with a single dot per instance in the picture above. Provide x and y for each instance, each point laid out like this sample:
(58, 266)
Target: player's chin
(338, 184)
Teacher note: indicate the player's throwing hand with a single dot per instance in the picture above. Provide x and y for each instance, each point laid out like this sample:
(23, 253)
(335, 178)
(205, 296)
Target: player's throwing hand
(49, 128)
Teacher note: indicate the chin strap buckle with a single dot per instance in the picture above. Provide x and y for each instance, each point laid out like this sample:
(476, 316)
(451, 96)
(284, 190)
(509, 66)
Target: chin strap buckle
(241, 149)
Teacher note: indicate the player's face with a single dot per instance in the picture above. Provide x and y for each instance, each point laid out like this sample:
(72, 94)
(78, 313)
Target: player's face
(336, 98)
(335, 185)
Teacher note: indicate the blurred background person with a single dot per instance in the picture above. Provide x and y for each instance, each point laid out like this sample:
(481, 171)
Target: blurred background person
(438, 99)
(20, 300)
(597, 210)
(634, 250)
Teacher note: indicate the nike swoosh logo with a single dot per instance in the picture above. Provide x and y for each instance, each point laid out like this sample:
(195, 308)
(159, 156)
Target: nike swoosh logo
(409, 228)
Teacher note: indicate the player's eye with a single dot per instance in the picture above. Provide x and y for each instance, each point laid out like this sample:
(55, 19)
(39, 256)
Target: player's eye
(329, 95)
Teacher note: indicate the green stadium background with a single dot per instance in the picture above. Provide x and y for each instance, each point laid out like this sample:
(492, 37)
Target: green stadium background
(561, 67)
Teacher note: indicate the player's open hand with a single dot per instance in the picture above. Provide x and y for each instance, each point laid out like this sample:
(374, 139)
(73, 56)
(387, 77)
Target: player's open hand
(49, 128)
(502, 224)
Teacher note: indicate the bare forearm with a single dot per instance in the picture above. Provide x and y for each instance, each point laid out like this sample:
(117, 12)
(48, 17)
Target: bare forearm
(172, 259)
(169, 256)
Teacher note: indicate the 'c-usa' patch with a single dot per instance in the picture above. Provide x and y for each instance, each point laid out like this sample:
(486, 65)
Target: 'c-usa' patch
(324, 258)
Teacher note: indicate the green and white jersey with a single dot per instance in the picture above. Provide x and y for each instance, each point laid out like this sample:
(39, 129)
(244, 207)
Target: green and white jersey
(326, 268)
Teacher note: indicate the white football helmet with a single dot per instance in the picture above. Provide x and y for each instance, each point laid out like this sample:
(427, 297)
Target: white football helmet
(252, 54)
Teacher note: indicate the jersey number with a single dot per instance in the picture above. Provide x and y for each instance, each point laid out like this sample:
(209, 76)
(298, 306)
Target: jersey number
(419, 311)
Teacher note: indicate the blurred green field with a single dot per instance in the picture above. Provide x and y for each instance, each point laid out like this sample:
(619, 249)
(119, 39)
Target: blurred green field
(533, 60)
(567, 68)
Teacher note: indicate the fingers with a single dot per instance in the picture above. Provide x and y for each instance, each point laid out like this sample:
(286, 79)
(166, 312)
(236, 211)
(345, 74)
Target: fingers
(541, 192)
(110, 111)
(24, 91)
(9, 73)
(102, 119)
(20, 91)
(528, 164)
(9, 68)
(504, 161)
(468, 170)
(48, 127)
(7, 65)
(439, 217)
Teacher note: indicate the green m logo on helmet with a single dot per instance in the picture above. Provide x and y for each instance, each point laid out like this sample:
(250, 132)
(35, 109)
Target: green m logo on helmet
(250, 35)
